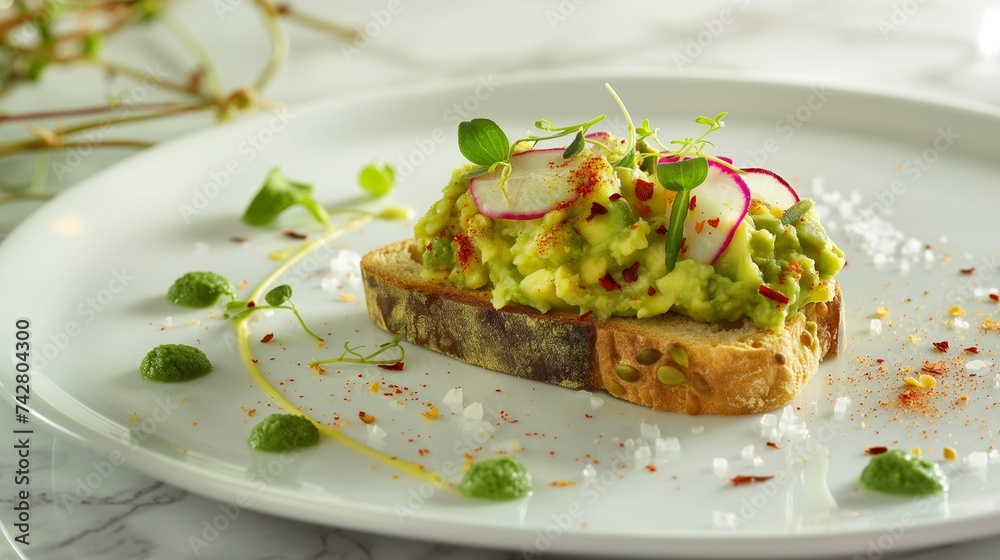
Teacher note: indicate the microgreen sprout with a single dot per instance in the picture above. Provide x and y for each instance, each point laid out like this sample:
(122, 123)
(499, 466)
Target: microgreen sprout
(352, 356)
(485, 144)
(377, 178)
(278, 297)
(277, 194)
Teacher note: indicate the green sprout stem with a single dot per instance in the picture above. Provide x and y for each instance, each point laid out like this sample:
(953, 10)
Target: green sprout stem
(358, 358)
(290, 307)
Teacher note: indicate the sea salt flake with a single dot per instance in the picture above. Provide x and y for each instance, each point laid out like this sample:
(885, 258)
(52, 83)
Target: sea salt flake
(975, 460)
(474, 411)
(596, 402)
(875, 327)
(200, 248)
(453, 399)
(724, 519)
(649, 431)
(376, 432)
(642, 455)
(589, 474)
(697, 429)
(960, 324)
(747, 453)
(720, 466)
(583, 394)
(976, 365)
(840, 408)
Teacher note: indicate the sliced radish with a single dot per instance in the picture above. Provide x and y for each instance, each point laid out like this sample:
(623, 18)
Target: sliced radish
(769, 187)
(716, 209)
(540, 181)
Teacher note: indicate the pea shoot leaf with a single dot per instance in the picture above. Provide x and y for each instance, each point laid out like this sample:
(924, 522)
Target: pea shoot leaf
(482, 142)
(277, 194)
(278, 295)
(682, 175)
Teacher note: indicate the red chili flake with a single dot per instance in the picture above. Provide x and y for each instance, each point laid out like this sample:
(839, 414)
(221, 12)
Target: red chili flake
(596, 209)
(941, 346)
(650, 468)
(651, 291)
(588, 415)
(879, 361)
(614, 197)
(773, 445)
(398, 366)
(585, 315)
(238, 239)
(740, 480)
(937, 368)
(465, 250)
(608, 283)
(969, 270)
(994, 297)
(714, 222)
(267, 337)
(643, 190)
(295, 235)
(366, 418)
(771, 294)
(631, 274)
(251, 304)
(877, 450)
(698, 226)
(972, 349)
(693, 203)
(662, 230)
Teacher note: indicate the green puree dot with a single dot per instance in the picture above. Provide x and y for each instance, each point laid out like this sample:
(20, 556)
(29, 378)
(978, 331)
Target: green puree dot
(898, 472)
(500, 478)
(199, 289)
(174, 362)
(283, 432)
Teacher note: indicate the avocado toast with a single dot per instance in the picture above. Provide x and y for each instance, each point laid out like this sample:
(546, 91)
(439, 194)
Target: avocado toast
(668, 277)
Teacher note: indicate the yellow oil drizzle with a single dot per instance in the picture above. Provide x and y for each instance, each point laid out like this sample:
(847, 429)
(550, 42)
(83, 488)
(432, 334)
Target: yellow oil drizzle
(243, 336)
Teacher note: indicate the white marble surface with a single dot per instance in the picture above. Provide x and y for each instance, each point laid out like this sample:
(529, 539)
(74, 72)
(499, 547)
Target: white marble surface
(924, 46)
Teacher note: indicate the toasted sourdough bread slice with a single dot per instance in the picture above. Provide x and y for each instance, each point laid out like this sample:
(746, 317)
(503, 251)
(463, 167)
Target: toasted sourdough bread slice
(736, 368)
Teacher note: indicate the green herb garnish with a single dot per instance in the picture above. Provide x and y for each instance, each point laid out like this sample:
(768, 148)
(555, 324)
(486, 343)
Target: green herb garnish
(277, 298)
(377, 178)
(351, 354)
(484, 143)
(681, 177)
(277, 194)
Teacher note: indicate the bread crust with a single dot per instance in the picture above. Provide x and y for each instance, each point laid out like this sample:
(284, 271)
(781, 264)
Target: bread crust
(735, 368)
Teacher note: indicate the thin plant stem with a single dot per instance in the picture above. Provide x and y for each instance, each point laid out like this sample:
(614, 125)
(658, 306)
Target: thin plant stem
(16, 196)
(194, 46)
(32, 145)
(139, 75)
(40, 172)
(279, 44)
(83, 111)
(343, 31)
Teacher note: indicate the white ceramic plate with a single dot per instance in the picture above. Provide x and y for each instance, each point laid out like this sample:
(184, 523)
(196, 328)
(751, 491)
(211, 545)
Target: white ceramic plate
(89, 271)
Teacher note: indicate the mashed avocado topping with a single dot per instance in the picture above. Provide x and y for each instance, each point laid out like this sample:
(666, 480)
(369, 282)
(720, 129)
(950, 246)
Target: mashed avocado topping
(604, 253)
